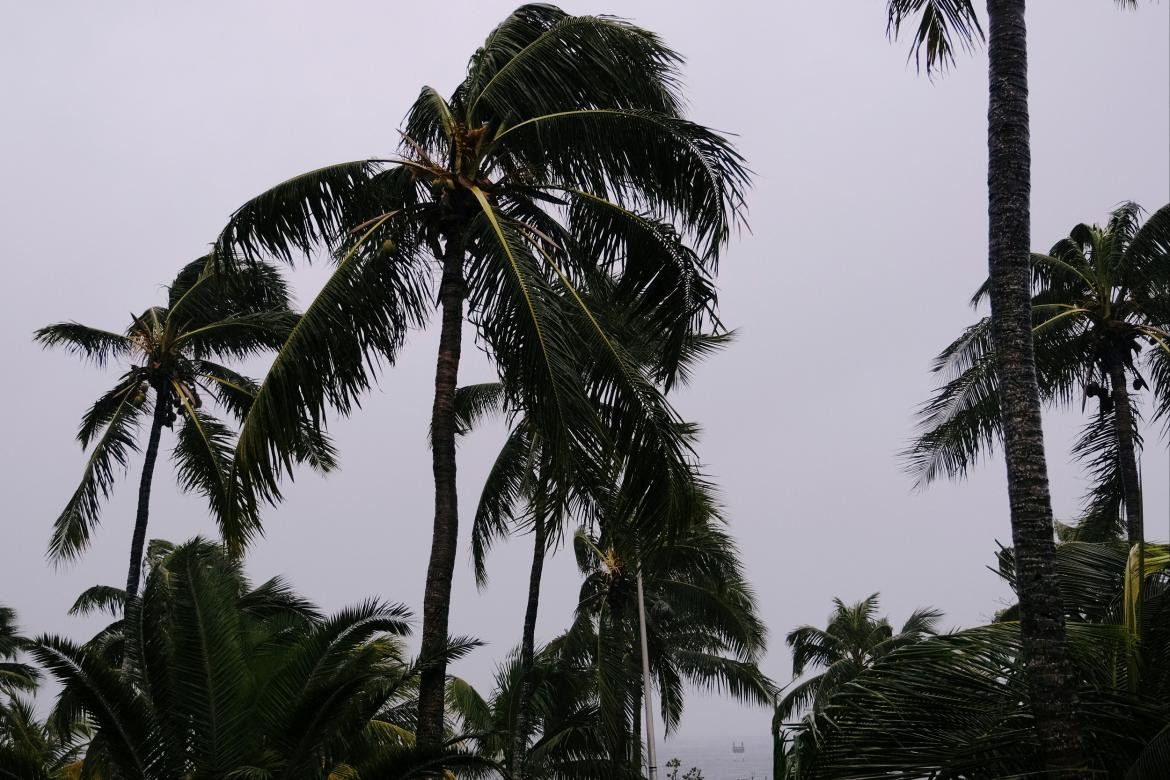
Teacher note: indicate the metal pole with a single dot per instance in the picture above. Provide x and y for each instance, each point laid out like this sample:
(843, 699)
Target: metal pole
(651, 753)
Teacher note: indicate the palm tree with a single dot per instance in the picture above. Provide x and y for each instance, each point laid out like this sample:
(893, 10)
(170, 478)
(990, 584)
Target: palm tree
(563, 153)
(174, 354)
(1097, 297)
(940, 23)
(561, 735)
(952, 705)
(524, 492)
(702, 628)
(853, 639)
(584, 688)
(208, 676)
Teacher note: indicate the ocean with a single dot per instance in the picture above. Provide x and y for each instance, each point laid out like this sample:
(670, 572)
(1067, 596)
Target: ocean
(716, 760)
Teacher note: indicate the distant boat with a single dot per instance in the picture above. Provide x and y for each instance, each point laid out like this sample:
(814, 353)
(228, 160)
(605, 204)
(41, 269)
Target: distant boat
(736, 748)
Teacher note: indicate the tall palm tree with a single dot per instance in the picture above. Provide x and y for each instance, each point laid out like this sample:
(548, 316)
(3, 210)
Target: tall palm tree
(563, 153)
(852, 640)
(174, 355)
(940, 24)
(224, 679)
(1098, 296)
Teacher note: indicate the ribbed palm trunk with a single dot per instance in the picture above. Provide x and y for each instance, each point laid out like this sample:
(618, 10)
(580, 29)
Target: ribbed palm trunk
(1042, 629)
(528, 644)
(138, 540)
(437, 597)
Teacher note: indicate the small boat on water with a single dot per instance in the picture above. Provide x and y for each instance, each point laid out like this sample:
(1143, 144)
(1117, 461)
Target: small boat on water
(736, 748)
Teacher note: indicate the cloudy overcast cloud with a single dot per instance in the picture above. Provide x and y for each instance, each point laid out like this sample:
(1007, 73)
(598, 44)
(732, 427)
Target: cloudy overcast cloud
(130, 130)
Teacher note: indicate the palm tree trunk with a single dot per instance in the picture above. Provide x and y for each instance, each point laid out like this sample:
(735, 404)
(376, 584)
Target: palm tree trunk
(1130, 480)
(1126, 449)
(437, 597)
(138, 540)
(1042, 629)
(647, 693)
(528, 641)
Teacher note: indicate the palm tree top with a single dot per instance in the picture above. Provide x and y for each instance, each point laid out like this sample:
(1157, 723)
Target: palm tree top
(852, 639)
(178, 353)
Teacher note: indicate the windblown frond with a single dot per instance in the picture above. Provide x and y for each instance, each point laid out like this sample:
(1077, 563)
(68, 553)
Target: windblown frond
(297, 215)
(93, 344)
(203, 456)
(110, 454)
(941, 24)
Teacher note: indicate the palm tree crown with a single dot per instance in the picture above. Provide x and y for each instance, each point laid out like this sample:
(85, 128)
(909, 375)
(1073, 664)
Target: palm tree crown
(851, 641)
(173, 357)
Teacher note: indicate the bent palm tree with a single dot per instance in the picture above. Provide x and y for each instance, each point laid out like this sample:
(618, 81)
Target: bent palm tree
(1009, 217)
(1098, 296)
(563, 153)
(173, 351)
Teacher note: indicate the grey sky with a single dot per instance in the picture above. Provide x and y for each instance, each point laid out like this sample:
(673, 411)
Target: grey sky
(131, 130)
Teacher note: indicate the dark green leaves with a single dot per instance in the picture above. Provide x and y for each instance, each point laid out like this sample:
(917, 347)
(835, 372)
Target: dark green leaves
(677, 170)
(541, 60)
(359, 318)
(299, 214)
(91, 343)
(119, 415)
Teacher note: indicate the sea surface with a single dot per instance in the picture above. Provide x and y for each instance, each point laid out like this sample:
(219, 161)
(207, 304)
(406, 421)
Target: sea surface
(716, 760)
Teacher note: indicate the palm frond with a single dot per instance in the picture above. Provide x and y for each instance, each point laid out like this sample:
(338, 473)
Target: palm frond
(92, 344)
(541, 60)
(679, 171)
(297, 215)
(1097, 447)
(239, 336)
(941, 24)
(506, 486)
(359, 317)
(129, 386)
(475, 403)
(121, 716)
(100, 598)
(204, 450)
(111, 453)
(962, 421)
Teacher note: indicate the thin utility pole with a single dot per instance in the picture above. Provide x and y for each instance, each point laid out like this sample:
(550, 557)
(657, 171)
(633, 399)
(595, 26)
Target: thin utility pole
(651, 753)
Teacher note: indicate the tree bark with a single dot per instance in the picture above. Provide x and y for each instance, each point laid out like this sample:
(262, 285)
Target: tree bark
(138, 540)
(1126, 449)
(445, 536)
(528, 642)
(1042, 629)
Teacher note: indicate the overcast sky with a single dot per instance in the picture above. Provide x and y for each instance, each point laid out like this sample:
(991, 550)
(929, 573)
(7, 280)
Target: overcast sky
(131, 130)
